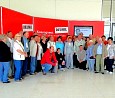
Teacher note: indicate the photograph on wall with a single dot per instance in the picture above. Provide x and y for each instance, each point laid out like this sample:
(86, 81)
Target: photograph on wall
(86, 30)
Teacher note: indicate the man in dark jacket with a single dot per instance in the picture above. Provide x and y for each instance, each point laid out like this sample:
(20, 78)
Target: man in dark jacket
(5, 57)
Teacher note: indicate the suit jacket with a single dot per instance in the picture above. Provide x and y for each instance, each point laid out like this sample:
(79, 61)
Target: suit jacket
(68, 49)
(104, 50)
(33, 48)
(111, 51)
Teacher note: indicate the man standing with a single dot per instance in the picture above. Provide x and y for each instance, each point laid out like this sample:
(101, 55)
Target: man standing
(5, 58)
(34, 50)
(9, 43)
(25, 43)
(100, 53)
(49, 60)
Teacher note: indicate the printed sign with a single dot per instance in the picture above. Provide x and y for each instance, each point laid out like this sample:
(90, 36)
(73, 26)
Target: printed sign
(27, 27)
(61, 29)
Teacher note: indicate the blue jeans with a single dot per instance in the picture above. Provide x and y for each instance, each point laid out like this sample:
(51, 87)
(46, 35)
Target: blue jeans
(4, 70)
(69, 60)
(46, 67)
(25, 66)
(91, 63)
(18, 69)
(33, 64)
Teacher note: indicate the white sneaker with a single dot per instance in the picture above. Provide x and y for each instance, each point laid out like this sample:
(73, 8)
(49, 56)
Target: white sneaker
(110, 72)
(107, 71)
(62, 69)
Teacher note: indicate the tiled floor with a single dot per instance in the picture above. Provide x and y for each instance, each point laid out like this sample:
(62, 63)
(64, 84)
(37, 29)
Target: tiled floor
(69, 84)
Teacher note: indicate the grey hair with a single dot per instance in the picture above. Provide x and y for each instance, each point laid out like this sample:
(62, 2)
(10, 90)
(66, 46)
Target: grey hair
(3, 36)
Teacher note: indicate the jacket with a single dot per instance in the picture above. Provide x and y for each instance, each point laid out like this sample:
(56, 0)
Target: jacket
(111, 51)
(33, 48)
(104, 50)
(59, 57)
(68, 49)
(5, 54)
(49, 58)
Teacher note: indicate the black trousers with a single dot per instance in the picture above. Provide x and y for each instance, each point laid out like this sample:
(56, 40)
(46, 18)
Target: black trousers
(82, 65)
(75, 60)
(38, 67)
(109, 64)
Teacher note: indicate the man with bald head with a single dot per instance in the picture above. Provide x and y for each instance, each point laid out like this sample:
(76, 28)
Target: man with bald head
(100, 53)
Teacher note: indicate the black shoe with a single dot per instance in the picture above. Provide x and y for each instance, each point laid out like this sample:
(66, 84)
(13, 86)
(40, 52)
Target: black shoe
(31, 73)
(102, 72)
(11, 77)
(96, 72)
(52, 72)
(21, 78)
(7, 82)
(44, 73)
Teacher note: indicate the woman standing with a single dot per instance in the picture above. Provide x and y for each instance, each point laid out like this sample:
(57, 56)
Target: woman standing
(110, 56)
(5, 58)
(90, 59)
(18, 56)
(60, 44)
(69, 51)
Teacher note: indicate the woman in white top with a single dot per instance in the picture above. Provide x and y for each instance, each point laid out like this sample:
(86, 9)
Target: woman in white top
(51, 43)
(111, 55)
(18, 56)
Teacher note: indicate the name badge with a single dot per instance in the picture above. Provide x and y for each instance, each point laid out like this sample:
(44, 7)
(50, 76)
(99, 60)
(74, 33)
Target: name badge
(60, 58)
(26, 45)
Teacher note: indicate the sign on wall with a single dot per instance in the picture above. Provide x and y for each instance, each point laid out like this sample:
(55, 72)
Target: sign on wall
(27, 27)
(61, 29)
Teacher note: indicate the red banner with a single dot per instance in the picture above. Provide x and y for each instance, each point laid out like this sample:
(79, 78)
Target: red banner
(12, 20)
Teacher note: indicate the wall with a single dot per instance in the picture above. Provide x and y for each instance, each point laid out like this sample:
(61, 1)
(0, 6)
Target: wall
(0, 20)
(61, 9)
(47, 25)
(12, 20)
(98, 26)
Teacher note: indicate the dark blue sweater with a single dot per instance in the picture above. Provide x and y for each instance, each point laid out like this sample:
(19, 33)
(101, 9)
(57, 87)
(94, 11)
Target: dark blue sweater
(5, 54)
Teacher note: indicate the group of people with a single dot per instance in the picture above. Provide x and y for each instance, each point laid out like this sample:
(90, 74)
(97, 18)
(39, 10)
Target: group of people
(21, 55)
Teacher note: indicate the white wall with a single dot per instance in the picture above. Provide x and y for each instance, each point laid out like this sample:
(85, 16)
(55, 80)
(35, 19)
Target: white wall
(62, 9)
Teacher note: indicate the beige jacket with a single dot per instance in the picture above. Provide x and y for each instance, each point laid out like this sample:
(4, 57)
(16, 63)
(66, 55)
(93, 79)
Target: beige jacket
(104, 50)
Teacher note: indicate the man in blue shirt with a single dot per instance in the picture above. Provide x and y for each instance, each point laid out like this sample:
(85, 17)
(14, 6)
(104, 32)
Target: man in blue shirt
(25, 43)
(100, 53)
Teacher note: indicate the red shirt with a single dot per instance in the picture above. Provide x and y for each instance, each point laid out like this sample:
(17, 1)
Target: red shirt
(105, 42)
(49, 58)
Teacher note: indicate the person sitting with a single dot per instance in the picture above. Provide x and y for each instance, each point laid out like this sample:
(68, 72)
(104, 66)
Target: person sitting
(60, 59)
(81, 58)
(49, 60)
